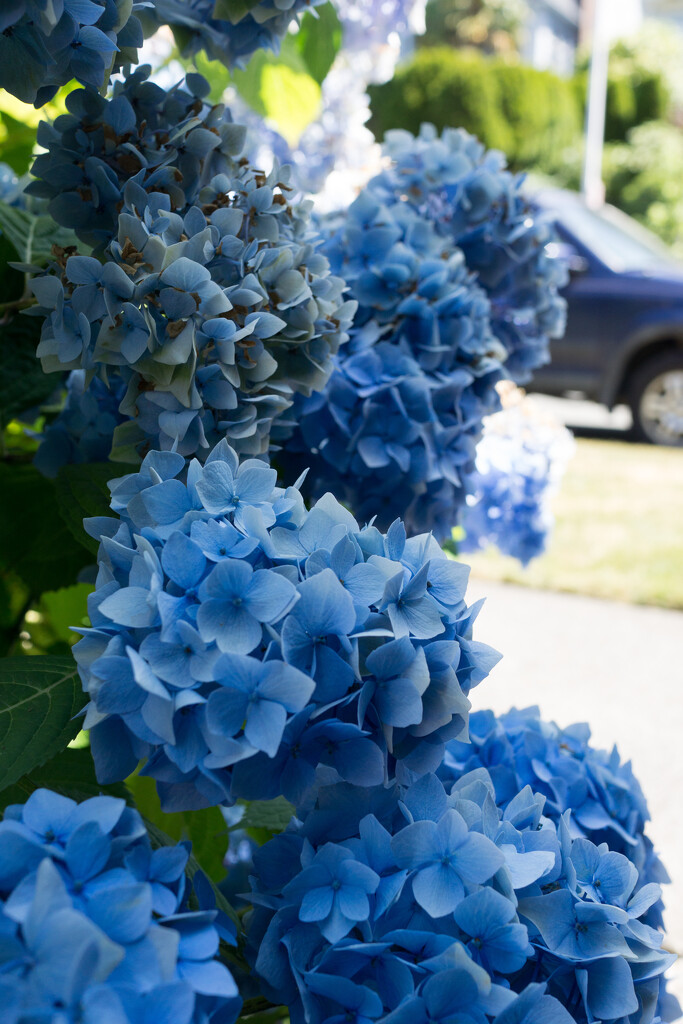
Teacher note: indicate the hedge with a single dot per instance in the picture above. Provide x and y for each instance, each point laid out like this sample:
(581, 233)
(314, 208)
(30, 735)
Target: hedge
(531, 115)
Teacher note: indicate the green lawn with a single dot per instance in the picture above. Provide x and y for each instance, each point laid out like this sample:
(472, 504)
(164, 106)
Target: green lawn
(618, 531)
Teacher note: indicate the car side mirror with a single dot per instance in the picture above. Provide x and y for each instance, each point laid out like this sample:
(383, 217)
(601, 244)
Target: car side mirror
(573, 260)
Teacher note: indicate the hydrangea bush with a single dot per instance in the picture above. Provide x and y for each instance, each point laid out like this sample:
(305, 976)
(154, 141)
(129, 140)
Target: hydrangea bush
(284, 684)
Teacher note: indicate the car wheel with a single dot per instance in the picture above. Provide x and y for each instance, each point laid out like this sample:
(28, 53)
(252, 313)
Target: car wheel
(655, 395)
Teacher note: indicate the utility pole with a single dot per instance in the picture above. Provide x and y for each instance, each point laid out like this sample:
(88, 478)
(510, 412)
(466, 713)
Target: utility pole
(592, 185)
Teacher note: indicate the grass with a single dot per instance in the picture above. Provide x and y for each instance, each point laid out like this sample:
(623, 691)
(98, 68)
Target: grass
(618, 531)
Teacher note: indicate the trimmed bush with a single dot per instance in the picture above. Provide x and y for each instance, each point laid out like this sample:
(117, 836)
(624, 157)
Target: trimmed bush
(448, 88)
(642, 177)
(634, 95)
(531, 115)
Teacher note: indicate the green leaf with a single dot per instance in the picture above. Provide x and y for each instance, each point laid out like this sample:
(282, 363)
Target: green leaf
(16, 148)
(273, 816)
(82, 492)
(71, 773)
(282, 90)
(216, 74)
(34, 541)
(205, 829)
(50, 625)
(233, 10)
(248, 82)
(318, 40)
(33, 236)
(271, 1015)
(22, 380)
(11, 281)
(39, 699)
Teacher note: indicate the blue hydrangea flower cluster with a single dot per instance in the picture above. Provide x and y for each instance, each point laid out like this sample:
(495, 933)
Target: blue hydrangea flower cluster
(520, 462)
(44, 44)
(83, 429)
(475, 203)
(439, 902)
(215, 314)
(604, 797)
(171, 141)
(94, 925)
(239, 641)
(507, 512)
(196, 27)
(395, 431)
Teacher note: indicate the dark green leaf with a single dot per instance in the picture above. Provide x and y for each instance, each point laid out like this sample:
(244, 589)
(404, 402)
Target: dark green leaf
(82, 492)
(34, 541)
(22, 380)
(39, 699)
(11, 281)
(271, 815)
(233, 10)
(33, 236)
(15, 599)
(71, 773)
(318, 40)
(271, 1015)
(17, 149)
(205, 829)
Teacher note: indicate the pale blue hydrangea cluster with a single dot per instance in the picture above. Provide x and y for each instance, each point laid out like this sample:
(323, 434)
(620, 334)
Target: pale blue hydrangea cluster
(171, 141)
(395, 431)
(371, 23)
(44, 44)
(442, 902)
(214, 313)
(239, 641)
(520, 462)
(474, 202)
(94, 924)
(198, 25)
(508, 511)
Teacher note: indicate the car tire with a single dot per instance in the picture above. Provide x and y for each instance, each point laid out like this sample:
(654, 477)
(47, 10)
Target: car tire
(654, 393)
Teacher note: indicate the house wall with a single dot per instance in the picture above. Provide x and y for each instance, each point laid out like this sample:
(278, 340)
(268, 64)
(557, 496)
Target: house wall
(551, 34)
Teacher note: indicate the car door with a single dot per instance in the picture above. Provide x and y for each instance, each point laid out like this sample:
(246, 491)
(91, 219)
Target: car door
(594, 310)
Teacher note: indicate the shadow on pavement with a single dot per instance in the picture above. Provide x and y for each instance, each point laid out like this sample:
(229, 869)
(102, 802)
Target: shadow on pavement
(601, 433)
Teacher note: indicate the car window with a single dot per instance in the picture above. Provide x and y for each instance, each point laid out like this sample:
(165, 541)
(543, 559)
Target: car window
(619, 242)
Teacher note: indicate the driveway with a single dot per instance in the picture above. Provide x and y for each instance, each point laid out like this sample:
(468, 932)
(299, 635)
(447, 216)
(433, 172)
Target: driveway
(618, 667)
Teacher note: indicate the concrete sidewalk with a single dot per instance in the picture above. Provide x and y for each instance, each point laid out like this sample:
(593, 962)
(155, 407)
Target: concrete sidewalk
(617, 666)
